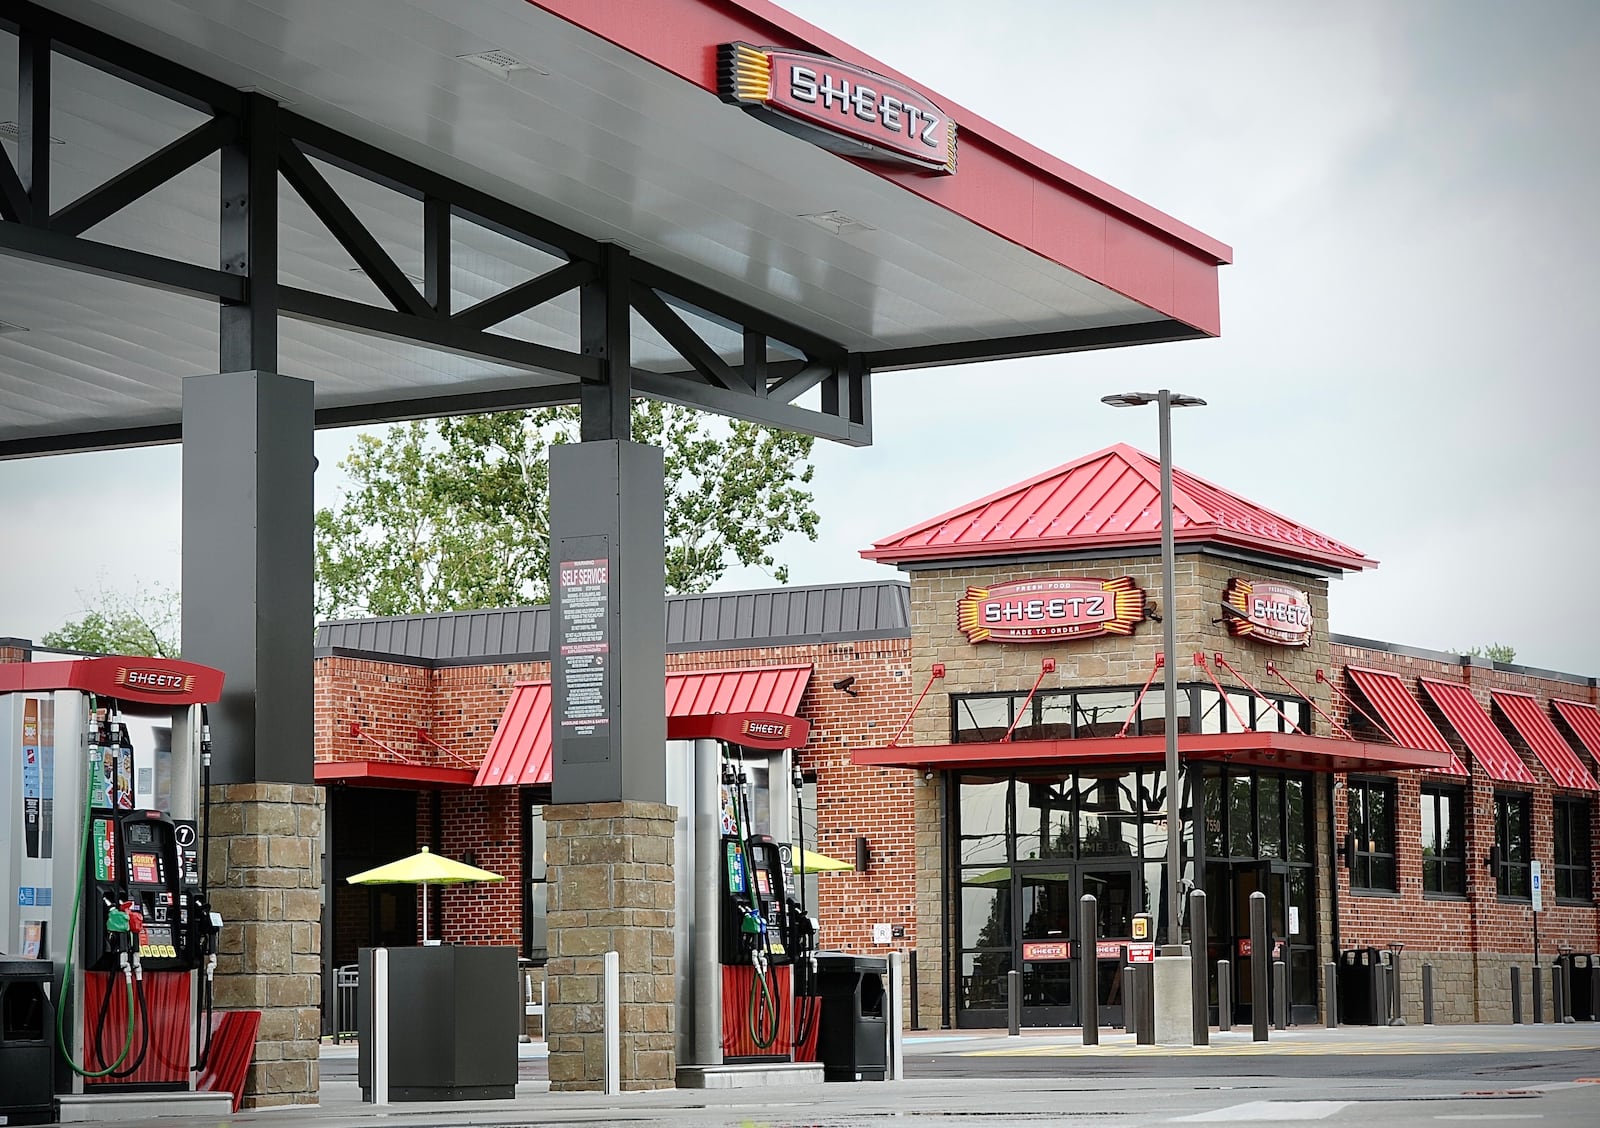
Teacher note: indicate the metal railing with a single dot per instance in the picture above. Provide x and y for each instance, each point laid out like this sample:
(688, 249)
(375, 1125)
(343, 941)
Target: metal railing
(346, 983)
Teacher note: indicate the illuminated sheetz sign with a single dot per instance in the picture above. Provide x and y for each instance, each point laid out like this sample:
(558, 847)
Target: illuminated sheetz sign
(841, 107)
(1044, 610)
(1267, 610)
(154, 681)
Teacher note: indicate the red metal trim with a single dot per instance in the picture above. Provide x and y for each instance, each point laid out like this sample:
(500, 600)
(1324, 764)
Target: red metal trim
(1272, 669)
(1271, 704)
(1287, 749)
(773, 731)
(938, 672)
(387, 773)
(1200, 660)
(1048, 666)
(152, 681)
(1161, 660)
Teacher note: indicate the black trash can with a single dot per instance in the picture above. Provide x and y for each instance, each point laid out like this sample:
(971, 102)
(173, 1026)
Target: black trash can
(1359, 969)
(27, 1022)
(853, 1035)
(1583, 975)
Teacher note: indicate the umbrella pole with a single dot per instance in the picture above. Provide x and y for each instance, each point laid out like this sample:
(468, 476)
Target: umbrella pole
(424, 889)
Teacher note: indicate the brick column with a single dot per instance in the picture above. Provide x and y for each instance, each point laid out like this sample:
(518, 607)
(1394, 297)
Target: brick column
(266, 881)
(15, 649)
(610, 867)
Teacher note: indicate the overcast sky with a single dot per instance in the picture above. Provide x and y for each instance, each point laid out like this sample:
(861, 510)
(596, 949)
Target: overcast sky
(1409, 330)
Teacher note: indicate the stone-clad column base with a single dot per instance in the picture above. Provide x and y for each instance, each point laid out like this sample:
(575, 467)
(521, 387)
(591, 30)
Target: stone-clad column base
(610, 868)
(266, 881)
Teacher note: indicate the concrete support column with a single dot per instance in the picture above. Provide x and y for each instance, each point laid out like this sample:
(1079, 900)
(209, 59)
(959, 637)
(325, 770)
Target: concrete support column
(611, 873)
(265, 871)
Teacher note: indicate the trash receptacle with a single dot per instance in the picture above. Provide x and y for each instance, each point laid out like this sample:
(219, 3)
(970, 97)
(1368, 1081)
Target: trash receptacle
(1359, 969)
(26, 1022)
(852, 1033)
(1583, 979)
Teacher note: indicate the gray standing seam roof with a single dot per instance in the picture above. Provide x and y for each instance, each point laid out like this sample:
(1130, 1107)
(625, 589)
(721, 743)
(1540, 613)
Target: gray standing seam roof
(710, 621)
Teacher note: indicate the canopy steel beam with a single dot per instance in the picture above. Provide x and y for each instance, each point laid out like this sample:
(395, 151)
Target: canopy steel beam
(1036, 344)
(259, 142)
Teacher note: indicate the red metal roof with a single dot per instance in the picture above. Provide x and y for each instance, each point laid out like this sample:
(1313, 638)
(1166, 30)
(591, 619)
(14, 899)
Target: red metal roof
(1109, 499)
(1534, 726)
(520, 752)
(1401, 713)
(1584, 721)
(1282, 749)
(1477, 731)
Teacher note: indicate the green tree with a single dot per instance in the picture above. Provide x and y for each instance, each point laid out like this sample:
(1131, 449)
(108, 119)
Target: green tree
(1495, 652)
(455, 514)
(146, 622)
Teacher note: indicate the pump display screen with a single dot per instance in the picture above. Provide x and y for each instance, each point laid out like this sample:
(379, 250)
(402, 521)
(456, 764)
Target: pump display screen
(763, 881)
(144, 869)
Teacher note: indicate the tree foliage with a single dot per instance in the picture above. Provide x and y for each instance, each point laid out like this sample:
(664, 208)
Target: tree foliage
(455, 514)
(1495, 652)
(114, 622)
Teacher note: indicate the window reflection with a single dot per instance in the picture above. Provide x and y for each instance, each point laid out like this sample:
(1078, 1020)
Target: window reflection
(1102, 714)
(983, 819)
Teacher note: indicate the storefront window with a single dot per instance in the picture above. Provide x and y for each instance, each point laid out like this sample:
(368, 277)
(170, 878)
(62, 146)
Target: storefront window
(1512, 820)
(1211, 710)
(1055, 716)
(1372, 819)
(983, 820)
(1269, 816)
(986, 908)
(1240, 818)
(981, 719)
(1108, 813)
(535, 933)
(1044, 818)
(1574, 860)
(1444, 842)
(1296, 825)
(1103, 714)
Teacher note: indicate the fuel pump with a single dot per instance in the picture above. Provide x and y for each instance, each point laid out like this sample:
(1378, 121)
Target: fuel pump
(121, 907)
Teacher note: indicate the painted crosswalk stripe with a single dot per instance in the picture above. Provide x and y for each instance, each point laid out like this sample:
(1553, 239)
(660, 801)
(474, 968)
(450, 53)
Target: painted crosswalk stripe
(1266, 1110)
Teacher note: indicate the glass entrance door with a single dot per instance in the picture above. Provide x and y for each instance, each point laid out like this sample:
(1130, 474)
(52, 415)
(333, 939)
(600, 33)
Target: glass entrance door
(1114, 888)
(1048, 929)
(1230, 884)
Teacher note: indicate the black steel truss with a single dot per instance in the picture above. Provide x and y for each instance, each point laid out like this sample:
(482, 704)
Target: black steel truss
(260, 142)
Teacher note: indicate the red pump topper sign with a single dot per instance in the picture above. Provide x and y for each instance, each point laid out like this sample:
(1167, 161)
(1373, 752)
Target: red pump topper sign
(1267, 610)
(838, 105)
(1050, 610)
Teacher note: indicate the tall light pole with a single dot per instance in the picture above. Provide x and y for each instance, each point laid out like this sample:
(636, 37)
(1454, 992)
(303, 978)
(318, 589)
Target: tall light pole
(1166, 401)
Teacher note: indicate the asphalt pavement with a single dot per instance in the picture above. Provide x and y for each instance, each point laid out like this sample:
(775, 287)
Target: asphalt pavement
(1372, 1077)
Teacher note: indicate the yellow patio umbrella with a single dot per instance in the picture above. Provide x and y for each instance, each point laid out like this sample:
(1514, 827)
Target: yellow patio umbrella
(811, 862)
(423, 868)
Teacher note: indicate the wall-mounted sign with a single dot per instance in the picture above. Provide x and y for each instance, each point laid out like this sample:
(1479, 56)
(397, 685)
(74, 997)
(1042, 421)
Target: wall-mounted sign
(1267, 610)
(1050, 610)
(837, 105)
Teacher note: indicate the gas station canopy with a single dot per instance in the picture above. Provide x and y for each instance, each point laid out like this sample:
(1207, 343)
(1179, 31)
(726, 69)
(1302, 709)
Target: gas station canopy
(411, 202)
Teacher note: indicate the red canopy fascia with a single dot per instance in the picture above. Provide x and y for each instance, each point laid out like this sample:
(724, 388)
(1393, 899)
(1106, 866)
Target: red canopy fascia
(1477, 731)
(1535, 727)
(389, 773)
(1276, 749)
(1004, 185)
(152, 681)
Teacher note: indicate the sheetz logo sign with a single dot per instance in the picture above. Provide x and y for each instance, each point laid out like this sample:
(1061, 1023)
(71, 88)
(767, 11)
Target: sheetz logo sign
(1046, 610)
(768, 730)
(837, 105)
(154, 681)
(1267, 610)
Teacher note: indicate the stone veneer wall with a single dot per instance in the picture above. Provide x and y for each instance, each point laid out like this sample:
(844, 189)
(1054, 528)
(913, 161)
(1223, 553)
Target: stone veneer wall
(265, 873)
(611, 889)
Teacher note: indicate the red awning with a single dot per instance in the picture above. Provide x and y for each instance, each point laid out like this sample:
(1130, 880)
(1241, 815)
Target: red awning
(1402, 714)
(1535, 726)
(390, 773)
(520, 750)
(519, 754)
(1477, 731)
(1269, 749)
(1584, 721)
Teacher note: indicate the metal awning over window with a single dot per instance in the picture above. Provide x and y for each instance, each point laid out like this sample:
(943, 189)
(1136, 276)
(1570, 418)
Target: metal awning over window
(1584, 721)
(520, 753)
(1401, 714)
(1477, 731)
(1535, 727)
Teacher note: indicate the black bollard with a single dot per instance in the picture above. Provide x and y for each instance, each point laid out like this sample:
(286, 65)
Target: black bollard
(1516, 996)
(1330, 993)
(1224, 995)
(1260, 954)
(1427, 994)
(1538, 994)
(1088, 970)
(915, 1024)
(1558, 994)
(1147, 1005)
(1280, 995)
(1199, 987)
(1014, 1003)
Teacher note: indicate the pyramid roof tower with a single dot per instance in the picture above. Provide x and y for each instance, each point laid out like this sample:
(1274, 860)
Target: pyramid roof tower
(1111, 499)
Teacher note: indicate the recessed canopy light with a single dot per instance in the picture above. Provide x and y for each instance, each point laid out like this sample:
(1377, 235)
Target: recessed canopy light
(500, 63)
(12, 132)
(838, 223)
